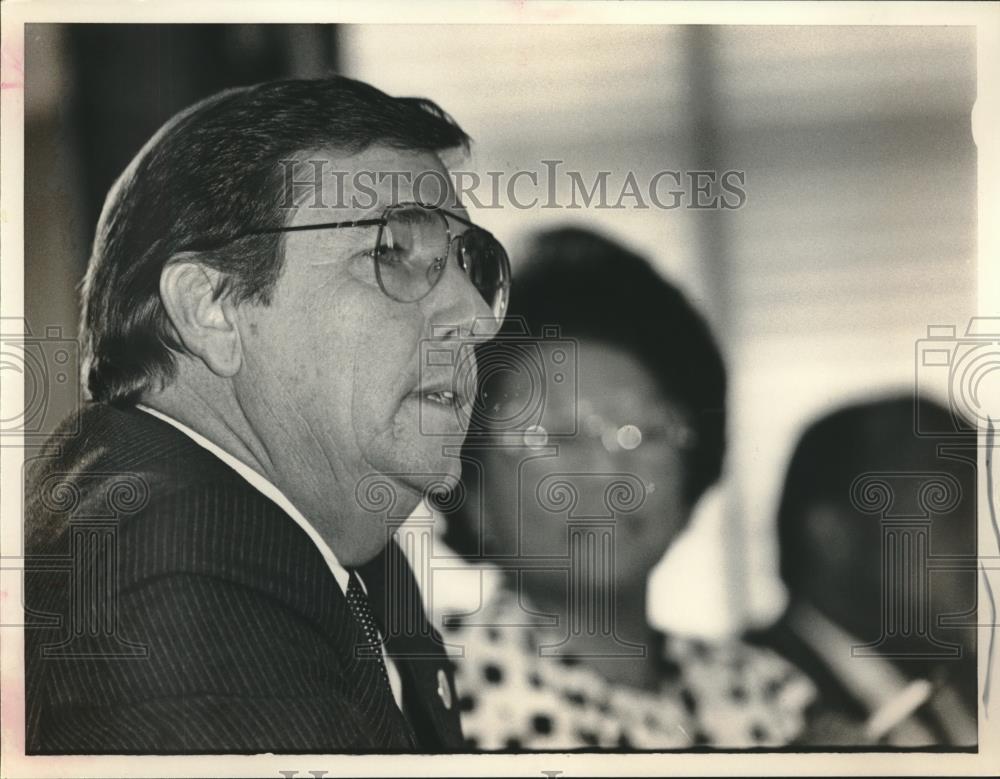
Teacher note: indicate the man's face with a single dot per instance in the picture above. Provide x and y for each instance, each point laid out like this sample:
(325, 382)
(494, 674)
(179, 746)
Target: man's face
(332, 380)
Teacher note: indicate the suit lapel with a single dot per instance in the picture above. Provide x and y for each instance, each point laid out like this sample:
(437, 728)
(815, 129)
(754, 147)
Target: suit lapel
(416, 647)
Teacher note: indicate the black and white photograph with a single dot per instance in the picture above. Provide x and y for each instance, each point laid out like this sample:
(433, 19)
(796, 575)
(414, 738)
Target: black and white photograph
(536, 388)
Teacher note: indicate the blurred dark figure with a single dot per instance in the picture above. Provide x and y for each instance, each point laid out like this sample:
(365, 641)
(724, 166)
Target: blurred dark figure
(600, 424)
(877, 537)
(163, 68)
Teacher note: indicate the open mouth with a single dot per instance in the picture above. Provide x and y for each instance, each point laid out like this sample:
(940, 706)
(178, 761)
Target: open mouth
(442, 398)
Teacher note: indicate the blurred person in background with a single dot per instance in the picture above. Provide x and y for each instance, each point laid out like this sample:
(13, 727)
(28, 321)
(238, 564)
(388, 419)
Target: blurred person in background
(648, 408)
(853, 619)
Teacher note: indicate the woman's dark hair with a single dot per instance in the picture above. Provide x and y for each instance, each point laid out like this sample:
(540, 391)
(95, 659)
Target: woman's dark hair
(592, 287)
(215, 170)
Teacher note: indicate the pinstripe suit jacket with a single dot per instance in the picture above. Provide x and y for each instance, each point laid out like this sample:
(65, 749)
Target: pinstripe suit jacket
(172, 608)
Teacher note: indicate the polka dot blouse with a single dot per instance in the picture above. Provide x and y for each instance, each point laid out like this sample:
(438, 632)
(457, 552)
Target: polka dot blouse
(729, 695)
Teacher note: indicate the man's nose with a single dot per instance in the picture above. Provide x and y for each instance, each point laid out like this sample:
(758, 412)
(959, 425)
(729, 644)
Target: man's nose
(458, 306)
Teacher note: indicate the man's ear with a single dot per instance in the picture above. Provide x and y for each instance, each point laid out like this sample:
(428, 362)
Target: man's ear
(204, 320)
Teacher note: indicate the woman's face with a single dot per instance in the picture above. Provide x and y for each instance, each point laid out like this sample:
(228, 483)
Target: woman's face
(622, 469)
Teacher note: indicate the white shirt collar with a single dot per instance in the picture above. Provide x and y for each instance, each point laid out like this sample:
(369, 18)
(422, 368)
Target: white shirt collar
(266, 488)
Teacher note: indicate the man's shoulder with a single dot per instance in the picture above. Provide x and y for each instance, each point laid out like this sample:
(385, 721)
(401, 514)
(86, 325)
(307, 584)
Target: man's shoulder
(118, 464)
(132, 498)
(102, 439)
(171, 505)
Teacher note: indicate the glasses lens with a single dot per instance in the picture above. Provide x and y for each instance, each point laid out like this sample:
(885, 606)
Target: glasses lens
(488, 267)
(412, 252)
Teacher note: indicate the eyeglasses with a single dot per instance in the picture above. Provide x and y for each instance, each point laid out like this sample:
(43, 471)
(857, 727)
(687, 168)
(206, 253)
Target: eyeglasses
(639, 436)
(617, 438)
(412, 247)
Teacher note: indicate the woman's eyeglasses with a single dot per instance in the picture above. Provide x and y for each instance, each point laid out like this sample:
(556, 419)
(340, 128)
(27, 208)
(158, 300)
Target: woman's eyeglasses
(616, 438)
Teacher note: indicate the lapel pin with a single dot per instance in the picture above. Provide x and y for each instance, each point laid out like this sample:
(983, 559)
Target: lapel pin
(444, 689)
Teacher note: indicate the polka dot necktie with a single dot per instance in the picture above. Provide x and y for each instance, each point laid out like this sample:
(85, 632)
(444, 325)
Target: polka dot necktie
(357, 600)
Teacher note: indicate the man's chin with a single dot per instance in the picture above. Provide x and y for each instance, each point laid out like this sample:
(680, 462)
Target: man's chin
(440, 476)
(418, 472)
